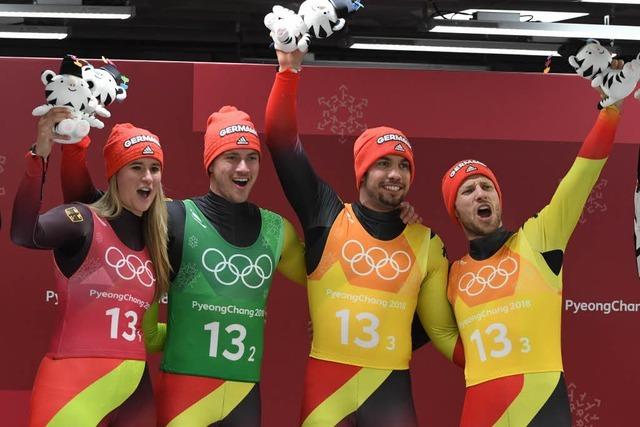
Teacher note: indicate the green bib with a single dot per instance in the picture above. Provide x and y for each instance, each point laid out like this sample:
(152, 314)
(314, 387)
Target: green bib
(216, 311)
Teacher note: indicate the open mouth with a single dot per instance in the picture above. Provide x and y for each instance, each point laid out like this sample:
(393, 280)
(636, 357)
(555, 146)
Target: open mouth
(241, 182)
(484, 211)
(144, 192)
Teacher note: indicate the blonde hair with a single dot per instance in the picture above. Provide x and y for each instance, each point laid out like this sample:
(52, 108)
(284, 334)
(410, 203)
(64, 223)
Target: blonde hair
(154, 222)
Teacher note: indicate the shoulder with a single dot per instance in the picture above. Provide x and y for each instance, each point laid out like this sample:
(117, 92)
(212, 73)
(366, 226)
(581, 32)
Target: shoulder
(175, 205)
(76, 213)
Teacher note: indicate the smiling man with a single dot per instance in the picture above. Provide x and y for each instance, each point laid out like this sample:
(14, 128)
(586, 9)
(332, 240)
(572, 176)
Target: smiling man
(367, 271)
(224, 252)
(507, 292)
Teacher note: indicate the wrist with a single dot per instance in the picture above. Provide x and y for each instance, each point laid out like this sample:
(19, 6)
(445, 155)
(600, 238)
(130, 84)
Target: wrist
(285, 68)
(35, 163)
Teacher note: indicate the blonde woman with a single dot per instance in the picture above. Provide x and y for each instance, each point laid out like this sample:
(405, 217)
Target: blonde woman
(110, 266)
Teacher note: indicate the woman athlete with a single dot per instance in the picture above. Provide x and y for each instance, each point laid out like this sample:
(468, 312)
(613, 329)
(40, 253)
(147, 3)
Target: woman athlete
(110, 266)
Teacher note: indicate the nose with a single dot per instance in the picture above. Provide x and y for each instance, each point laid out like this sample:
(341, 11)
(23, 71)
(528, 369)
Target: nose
(146, 176)
(480, 193)
(394, 173)
(242, 166)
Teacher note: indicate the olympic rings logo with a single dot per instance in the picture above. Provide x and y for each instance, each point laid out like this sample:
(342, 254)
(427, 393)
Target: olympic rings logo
(262, 268)
(376, 259)
(474, 284)
(130, 266)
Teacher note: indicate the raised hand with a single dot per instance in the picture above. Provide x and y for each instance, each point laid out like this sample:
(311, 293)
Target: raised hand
(290, 60)
(46, 134)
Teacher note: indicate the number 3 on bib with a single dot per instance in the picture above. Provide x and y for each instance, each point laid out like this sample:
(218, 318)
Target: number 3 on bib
(370, 326)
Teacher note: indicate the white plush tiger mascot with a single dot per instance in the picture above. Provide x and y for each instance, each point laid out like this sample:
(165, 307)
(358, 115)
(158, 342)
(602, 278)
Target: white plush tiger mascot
(324, 17)
(592, 61)
(107, 85)
(68, 89)
(618, 84)
(287, 30)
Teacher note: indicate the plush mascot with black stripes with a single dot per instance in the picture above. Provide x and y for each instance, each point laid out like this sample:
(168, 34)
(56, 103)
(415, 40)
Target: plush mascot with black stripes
(68, 89)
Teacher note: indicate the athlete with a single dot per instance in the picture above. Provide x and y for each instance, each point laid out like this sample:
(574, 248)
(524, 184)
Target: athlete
(366, 270)
(110, 265)
(223, 252)
(507, 291)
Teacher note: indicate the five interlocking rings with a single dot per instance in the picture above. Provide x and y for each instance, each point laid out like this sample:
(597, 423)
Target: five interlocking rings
(130, 266)
(474, 284)
(259, 267)
(399, 261)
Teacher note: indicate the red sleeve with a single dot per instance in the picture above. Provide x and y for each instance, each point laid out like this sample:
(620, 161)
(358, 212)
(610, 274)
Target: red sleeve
(281, 123)
(50, 230)
(77, 185)
(597, 145)
(458, 354)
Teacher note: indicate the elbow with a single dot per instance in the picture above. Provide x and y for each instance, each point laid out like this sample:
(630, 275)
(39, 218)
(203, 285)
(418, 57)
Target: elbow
(20, 239)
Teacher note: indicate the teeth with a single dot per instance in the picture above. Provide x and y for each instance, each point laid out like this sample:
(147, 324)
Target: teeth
(242, 179)
(392, 187)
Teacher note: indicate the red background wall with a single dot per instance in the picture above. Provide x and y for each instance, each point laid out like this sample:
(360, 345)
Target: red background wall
(527, 127)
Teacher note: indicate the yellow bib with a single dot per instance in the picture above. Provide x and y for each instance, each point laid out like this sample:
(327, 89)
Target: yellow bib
(363, 294)
(508, 310)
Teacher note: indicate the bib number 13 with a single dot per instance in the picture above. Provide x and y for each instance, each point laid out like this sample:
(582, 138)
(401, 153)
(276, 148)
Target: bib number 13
(130, 317)
(370, 323)
(501, 345)
(237, 341)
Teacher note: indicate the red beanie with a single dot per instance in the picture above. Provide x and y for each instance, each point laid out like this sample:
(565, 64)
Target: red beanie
(378, 142)
(228, 129)
(127, 143)
(456, 175)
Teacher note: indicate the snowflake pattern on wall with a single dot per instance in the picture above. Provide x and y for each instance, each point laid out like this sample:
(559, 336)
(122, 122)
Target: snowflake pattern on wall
(583, 408)
(595, 203)
(343, 114)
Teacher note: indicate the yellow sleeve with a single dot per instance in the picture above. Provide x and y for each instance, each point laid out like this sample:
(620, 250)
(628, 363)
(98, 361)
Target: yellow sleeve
(154, 333)
(434, 310)
(292, 264)
(552, 227)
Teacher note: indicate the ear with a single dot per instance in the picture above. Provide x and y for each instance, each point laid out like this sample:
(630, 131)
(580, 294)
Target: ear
(339, 25)
(121, 94)
(47, 76)
(268, 20)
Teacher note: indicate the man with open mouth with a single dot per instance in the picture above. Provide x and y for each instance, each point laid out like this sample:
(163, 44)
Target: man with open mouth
(224, 252)
(506, 293)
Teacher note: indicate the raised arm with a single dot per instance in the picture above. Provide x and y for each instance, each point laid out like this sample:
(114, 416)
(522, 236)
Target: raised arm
(77, 185)
(60, 227)
(551, 228)
(434, 310)
(315, 203)
(291, 263)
